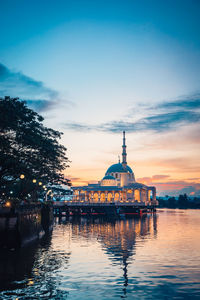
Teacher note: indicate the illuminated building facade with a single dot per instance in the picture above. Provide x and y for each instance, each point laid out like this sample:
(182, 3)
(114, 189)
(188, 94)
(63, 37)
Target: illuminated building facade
(118, 185)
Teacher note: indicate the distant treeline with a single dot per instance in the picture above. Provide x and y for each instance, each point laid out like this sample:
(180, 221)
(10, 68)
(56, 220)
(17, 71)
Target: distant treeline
(183, 201)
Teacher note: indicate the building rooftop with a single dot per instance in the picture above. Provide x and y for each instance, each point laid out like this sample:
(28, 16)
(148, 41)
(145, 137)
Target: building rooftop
(108, 177)
(118, 168)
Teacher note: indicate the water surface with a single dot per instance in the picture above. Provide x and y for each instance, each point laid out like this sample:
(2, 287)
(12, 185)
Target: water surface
(150, 257)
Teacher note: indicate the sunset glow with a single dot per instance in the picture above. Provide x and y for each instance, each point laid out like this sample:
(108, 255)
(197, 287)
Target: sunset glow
(105, 67)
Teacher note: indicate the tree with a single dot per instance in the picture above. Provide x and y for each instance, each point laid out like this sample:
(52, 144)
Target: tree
(171, 202)
(183, 201)
(28, 147)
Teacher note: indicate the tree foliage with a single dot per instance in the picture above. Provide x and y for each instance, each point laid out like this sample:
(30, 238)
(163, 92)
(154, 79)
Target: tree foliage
(28, 147)
(183, 201)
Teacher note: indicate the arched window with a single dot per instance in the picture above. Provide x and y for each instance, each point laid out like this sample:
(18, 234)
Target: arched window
(137, 195)
(109, 197)
(117, 198)
(103, 197)
(95, 197)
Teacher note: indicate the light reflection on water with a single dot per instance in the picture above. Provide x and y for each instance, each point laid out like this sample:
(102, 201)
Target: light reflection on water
(156, 256)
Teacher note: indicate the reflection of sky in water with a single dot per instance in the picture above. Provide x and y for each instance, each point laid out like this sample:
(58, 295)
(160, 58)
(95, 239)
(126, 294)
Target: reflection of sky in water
(153, 257)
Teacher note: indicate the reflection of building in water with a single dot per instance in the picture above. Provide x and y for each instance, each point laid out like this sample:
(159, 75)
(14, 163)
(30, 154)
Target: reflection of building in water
(118, 238)
(118, 185)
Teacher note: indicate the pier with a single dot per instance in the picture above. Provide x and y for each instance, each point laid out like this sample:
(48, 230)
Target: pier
(115, 209)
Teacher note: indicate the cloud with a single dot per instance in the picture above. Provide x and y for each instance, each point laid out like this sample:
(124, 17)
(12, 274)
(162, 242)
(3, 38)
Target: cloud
(42, 105)
(160, 177)
(76, 180)
(179, 188)
(73, 178)
(172, 187)
(35, 93)
(79, 127)
(162, 117)
(186, 103)
(157, 123)
(180, 164)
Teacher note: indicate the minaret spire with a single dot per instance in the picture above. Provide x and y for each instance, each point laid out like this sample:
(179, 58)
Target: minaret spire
(124, 163)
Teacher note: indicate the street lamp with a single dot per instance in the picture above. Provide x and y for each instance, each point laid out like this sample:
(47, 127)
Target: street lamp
(8, 204)
(40, 183)
(22, 176)
(34, 180)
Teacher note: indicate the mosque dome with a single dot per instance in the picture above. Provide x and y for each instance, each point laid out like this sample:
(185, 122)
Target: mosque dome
(108, 180)
(108, 177)
(118, 168)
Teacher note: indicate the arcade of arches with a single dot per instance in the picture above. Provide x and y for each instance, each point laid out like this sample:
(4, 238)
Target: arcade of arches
(109, 196)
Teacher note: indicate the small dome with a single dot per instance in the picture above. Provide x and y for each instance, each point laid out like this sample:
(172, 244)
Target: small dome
(108, 180)
(108, 177)
(118, 168)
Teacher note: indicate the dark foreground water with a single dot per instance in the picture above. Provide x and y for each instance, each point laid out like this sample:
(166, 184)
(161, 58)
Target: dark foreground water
(152, 257)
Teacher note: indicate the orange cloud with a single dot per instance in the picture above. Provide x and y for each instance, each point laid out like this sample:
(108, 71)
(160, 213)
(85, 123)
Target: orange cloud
(160, 177)
(173, 187)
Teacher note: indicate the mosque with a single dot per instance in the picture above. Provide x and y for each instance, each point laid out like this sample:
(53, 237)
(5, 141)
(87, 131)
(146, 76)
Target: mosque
(117, 186)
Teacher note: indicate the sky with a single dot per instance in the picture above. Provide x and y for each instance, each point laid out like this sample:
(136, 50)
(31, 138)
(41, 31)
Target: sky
(95, 68)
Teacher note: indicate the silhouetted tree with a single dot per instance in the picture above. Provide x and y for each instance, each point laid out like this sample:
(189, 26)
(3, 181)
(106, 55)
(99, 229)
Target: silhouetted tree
(28, 147)
(183, 201)
(171, 202)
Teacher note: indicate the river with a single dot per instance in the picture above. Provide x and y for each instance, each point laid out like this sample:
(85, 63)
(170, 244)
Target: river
(150, 257)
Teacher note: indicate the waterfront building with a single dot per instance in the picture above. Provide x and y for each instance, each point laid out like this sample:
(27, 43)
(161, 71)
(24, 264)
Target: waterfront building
(118, 185)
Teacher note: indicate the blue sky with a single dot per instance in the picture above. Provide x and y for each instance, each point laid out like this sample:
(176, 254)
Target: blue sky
(90, 65)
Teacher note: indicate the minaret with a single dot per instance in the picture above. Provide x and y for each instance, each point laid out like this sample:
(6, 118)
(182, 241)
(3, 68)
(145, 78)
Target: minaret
(124, 163)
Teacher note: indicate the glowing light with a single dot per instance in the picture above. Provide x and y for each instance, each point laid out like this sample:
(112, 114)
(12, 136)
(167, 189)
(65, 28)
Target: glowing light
(7, 204)
(40, 183)
(22, 176)
(31, 282)
(34, 180)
